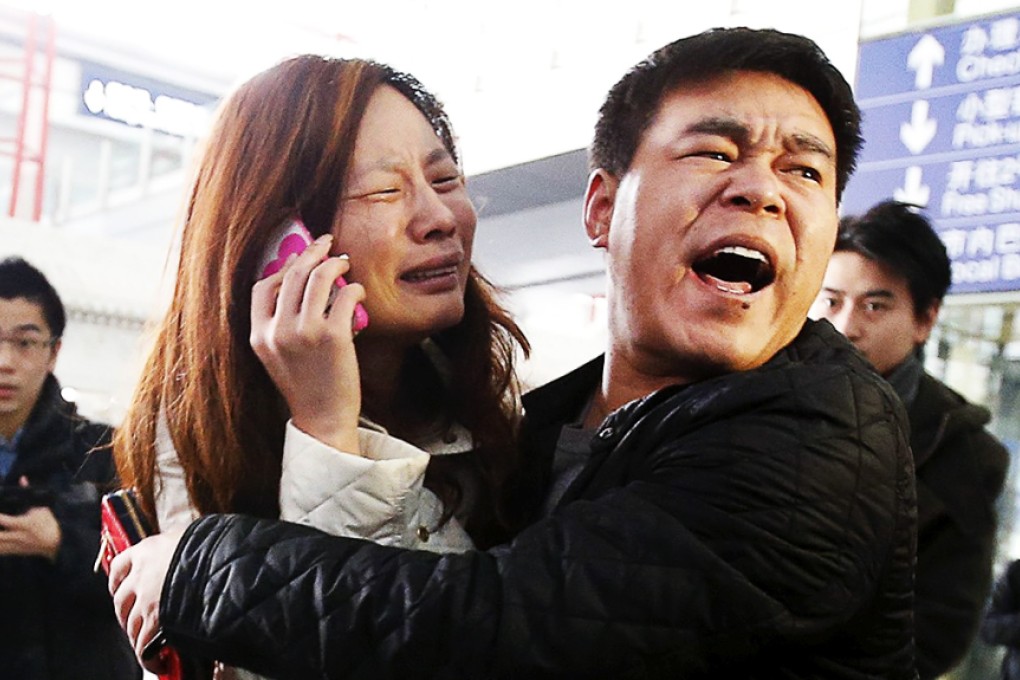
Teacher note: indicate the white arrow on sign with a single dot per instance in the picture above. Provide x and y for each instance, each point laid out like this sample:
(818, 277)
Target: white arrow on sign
(919, 132)
(926, 55)
(913, 190)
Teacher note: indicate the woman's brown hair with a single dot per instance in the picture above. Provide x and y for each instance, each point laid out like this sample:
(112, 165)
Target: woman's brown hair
(283, 143)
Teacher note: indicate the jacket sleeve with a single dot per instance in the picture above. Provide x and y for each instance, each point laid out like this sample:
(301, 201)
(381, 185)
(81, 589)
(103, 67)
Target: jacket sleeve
(77, 512)
(715, 550)
(282, 637)
(173, 506)
(378, 495)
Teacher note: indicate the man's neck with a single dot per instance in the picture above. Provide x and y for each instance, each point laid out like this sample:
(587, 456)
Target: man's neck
(905, 378)
(624, 381)
(10, 423)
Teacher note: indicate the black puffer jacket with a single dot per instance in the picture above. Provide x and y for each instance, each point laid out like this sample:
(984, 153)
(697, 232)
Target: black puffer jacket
(58, 621)
(759, 524)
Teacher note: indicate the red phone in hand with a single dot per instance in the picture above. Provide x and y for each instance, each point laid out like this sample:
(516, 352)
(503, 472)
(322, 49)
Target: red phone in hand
(292, 237)
(123, 525)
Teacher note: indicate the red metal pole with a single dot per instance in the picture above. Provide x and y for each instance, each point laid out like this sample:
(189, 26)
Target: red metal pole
(40, 175)
(19, 140)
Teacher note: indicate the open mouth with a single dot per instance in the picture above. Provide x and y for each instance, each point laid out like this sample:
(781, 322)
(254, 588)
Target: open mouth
(736, 269)
(421, 275)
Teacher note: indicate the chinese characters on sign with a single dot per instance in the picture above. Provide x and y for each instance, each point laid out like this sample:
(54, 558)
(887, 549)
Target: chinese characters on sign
(143, 102)
(942, 130)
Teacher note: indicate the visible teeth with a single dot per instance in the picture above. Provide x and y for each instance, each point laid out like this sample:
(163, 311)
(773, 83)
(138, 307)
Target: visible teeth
(431, 274)
(734, 287)
(744, 252)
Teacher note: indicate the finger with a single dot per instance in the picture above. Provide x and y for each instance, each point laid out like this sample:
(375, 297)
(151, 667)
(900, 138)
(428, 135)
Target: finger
(23, 481)
(265, 292)
(295, 277)
(341, 315)
(124, 607)
(120, 567)
(263, 308)
(134, 632)
(148, 631)
(321, 288)
(8, 544)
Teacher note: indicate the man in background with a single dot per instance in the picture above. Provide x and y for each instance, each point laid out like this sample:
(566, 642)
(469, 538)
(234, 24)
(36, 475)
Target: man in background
(58, 620)
(883, 289)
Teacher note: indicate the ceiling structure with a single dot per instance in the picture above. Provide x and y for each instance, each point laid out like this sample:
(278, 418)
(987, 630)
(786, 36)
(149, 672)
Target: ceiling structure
(521, 81)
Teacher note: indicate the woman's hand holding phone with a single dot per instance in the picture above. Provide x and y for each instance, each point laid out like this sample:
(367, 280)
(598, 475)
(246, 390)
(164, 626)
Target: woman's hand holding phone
(136, 585)
(302, 331)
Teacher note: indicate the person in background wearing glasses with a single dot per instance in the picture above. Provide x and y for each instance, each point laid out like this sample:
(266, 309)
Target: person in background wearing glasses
(58, 619)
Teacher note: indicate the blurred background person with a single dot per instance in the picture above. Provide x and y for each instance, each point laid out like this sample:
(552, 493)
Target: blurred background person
(1001, 625)
(58, 620)
(883, 289)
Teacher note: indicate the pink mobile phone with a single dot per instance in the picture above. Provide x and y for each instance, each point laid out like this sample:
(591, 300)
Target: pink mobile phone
(293, 237)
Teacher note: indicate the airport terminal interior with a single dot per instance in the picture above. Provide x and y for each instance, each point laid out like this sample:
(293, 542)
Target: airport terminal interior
(103, 106)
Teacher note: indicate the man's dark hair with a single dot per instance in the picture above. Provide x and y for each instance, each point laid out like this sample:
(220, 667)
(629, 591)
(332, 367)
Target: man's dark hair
(19, 279)
(632, 103)
(900, 238)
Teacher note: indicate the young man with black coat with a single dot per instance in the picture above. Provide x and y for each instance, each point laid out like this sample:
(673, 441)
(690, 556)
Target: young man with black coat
(883, 289)
(58, 621)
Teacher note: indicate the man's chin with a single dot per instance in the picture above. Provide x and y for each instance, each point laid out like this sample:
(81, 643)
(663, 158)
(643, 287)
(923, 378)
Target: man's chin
(742, 348)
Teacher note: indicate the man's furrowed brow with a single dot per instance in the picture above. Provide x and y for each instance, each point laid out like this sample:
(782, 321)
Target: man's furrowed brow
(734, 129)
(730, 128)
(804, 142)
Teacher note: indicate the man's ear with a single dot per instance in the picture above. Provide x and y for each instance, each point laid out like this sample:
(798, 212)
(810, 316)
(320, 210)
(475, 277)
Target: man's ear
(926, 322)
(599, 200)
(54, 351)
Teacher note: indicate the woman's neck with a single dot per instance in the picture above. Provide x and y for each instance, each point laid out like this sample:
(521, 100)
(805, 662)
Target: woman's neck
(380, 364)
(391, 389)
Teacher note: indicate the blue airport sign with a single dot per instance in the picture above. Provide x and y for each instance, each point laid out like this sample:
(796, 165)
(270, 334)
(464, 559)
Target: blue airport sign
(942, 130)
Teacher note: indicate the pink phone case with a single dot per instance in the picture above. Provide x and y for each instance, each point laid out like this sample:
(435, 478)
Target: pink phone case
(293, 237)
